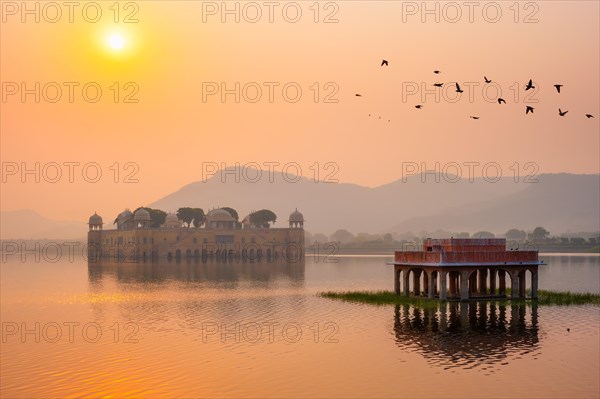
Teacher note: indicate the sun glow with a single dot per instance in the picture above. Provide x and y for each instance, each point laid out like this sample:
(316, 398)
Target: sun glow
(116, 41)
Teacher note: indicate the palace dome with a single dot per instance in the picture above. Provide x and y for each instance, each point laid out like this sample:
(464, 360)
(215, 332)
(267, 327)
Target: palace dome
(142, 215)
(171, 217)
(124, 216)
(219, 215)
(296, 217)
(171, 220)
(95, 219)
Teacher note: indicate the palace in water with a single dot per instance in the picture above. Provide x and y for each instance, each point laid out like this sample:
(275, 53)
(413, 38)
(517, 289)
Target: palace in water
(221, 237)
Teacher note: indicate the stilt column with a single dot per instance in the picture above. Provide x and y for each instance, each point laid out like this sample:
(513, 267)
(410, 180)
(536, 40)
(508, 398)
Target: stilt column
(534, 284)
(443, 285)
(514, 286)
(464, 286)
(483, 281)
(417, 282)
(502, 282)
(431, 285)
(493, 273)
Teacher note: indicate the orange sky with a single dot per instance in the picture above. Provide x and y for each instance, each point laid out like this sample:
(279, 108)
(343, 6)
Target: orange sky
(170, 53)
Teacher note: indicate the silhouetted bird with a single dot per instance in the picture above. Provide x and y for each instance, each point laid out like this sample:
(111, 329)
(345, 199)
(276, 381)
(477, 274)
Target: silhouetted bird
(418, 106)
(589, 116)
(558, 87)
(474, 117)
(528, 110)
(458, 89)
(568, 330)
(529, 85)
(487, 80)
(369, 114)
(438, 84)
(561, 113)
(380, 117)
(358, 95)
(501, 100)
(436, 71)
(384, 62)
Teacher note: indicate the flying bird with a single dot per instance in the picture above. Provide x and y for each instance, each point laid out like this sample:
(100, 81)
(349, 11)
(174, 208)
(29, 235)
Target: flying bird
(458, 89)
(358, 95)
(529, 85)
(438, 84)
(418, 106)
(474, 117)
(436, 72)
(501, 100)
(487, 80)
(558, 87)
(528, 110)
(384, 62)
(561, 113)
(568, 329)
(589, 116)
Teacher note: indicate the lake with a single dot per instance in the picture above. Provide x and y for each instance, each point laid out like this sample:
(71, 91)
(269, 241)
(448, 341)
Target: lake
(187, 329)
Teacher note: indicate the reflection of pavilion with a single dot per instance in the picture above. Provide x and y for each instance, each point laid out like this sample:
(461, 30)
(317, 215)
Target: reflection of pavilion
(467, 334)
(196, 270)
(466, 269)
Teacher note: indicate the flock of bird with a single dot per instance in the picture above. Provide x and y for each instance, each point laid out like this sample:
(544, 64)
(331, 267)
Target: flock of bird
(529, 86)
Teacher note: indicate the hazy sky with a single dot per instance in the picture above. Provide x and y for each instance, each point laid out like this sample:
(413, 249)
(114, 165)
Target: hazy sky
(177, 54)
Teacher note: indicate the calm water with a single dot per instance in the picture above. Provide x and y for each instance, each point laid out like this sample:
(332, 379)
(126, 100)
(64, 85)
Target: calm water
(259, 330)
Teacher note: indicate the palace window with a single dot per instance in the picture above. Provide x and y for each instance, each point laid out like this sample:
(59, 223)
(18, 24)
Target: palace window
(224, 239)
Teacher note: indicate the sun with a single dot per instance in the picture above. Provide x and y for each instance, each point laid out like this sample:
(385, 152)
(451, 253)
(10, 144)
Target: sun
(116, 41)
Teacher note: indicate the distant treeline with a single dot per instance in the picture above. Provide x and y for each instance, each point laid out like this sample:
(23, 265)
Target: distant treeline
(539, 238)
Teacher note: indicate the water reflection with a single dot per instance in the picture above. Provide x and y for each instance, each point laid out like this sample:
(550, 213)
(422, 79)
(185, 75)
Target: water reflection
(196, 271)
(468, 335)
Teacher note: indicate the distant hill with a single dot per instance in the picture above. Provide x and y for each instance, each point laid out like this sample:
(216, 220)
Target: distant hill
(331, 206)
(559, 202)
(28, 224)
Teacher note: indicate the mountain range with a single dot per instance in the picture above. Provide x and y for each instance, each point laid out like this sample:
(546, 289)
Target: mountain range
(559, 202)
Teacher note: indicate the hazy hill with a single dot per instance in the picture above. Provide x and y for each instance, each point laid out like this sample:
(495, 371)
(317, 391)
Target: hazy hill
(28, 224)
(330, 206)
(559, 202)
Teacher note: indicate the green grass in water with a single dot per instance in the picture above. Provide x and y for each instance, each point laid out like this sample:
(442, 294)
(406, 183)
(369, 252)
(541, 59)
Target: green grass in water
(555, 298)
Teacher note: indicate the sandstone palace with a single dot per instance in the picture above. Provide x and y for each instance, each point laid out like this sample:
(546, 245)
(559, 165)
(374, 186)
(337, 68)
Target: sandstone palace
(218, 235)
